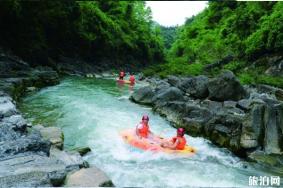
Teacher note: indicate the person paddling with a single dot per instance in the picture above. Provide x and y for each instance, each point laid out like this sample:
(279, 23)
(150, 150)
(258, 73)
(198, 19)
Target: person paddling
(142, 129)
(176, 143)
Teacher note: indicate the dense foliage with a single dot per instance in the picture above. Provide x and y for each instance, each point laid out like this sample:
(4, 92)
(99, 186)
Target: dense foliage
(242, 30)
(168, 35)
(116, 31)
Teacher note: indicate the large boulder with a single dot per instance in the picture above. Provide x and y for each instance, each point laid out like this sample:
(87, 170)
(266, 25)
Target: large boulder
(31, 143)
(71, 159)
(173, 80)
(53, 134)
(143, 95)
(90, 177)
(196, 87)
(168, 94)
(173, 110)
(226, 87)
(31, 170)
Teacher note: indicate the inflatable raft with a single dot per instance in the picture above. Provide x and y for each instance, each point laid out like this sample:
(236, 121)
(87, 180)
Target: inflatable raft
(124, 81)
(153, 144)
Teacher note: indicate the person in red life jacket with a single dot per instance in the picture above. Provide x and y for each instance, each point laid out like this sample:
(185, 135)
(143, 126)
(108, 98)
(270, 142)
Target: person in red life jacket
(142, 129)
(122, 75)
(132, 79)
(176, 143)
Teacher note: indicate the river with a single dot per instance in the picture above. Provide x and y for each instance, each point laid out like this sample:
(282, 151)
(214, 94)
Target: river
(92, 112)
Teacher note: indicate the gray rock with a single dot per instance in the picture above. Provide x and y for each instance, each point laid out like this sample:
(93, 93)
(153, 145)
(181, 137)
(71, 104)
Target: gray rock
(173, 80)
(169, 94)
(143, 95)
(53, 134)
(30, 143)
(229, 104)
(243, 104)
(173, 110)
(225, 131)
(277, 92)
(72, 160)
(161, 86)
(253, 128)
(196, 87)
(90, 177)
(197, 112)
(226, 87)
(31, 170)
(273, 140)
(193, 127)
(16, 122)
(213, 106)
(7, 108)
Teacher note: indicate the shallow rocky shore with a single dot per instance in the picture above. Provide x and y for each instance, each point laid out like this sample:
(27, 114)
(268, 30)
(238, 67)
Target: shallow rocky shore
(248, 120)
(32, 156)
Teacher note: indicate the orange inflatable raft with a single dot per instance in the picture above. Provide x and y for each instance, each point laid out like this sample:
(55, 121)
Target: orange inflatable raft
(124, 81)
(153, 144)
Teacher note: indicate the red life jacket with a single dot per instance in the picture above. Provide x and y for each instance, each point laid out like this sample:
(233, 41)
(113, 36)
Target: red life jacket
(132, 79)
(182, 142)
(143, 132)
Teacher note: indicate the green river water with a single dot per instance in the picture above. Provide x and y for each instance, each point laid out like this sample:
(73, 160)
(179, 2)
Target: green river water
(92, 112)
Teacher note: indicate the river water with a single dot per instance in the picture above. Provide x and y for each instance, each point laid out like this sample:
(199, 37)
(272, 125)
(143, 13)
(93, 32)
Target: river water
(92, 112)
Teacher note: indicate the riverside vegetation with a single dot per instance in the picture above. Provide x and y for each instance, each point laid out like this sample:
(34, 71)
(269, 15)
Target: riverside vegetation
(219, 76)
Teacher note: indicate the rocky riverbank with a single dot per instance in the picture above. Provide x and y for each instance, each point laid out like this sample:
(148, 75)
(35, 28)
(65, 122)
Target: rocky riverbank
(248, 120)
(33, 155)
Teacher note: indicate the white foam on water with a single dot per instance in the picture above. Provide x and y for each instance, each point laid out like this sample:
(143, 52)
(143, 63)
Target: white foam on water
(93, 113)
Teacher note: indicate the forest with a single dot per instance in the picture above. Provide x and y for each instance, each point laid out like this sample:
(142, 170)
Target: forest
(121, 32)
(231, 34)
(225, 36)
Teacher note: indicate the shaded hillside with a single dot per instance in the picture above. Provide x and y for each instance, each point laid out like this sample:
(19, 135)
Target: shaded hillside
(95, 31)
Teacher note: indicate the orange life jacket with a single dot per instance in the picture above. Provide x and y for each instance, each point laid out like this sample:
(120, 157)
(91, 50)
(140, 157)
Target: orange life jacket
(182, 142)
(132, 79)
(143, 132)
